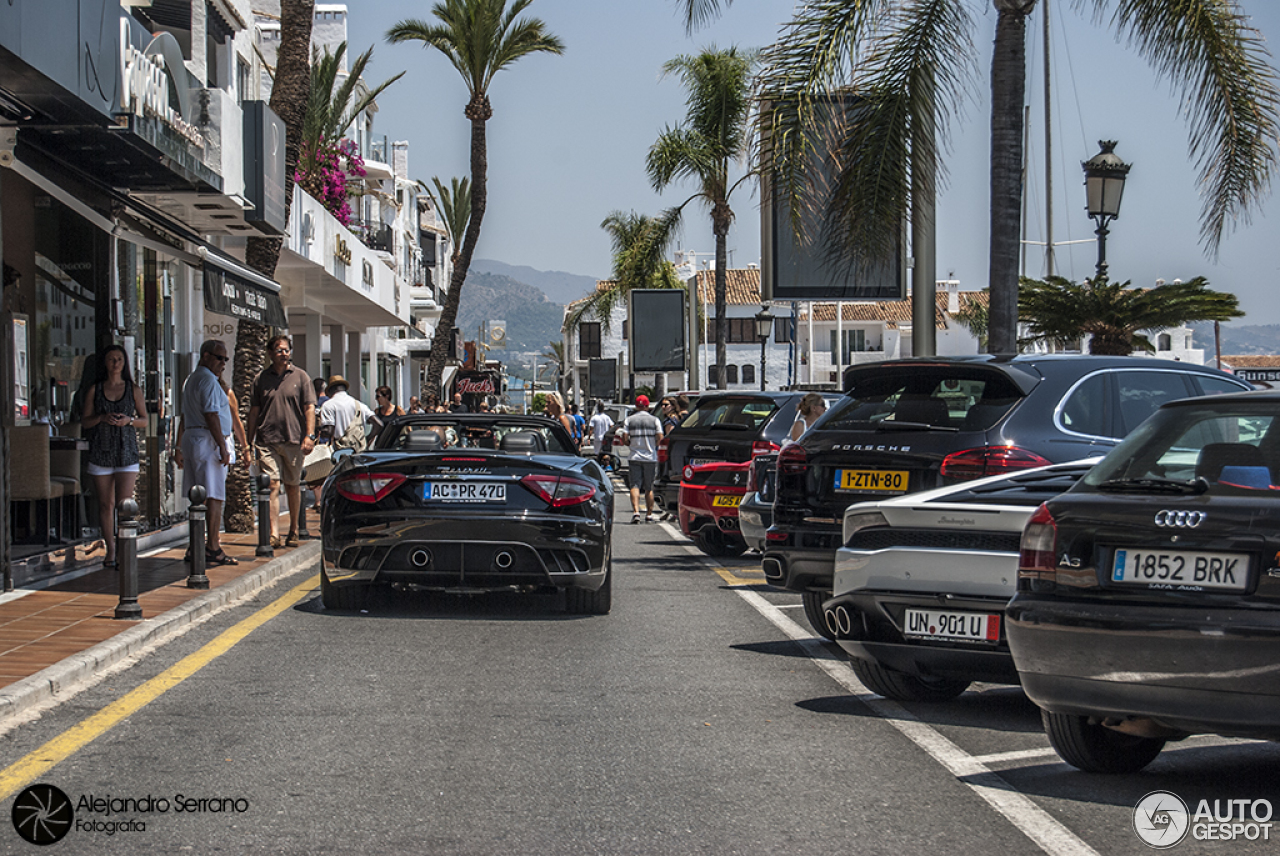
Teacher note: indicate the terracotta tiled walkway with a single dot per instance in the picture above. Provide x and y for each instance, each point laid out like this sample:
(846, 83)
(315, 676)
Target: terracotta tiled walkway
(41, 628)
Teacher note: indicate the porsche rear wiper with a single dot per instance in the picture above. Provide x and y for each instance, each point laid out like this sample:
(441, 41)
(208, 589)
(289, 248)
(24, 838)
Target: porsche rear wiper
(1195, 486)
(895, 425)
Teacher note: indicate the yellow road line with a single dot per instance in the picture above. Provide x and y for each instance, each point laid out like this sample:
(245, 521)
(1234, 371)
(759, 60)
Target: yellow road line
(734, 580)
(34, 765)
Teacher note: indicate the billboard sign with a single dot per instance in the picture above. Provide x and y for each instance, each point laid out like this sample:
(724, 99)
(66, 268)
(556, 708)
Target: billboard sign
(657, 337)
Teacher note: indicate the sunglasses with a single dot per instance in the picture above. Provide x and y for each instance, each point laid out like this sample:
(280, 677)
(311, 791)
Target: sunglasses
(218, 358)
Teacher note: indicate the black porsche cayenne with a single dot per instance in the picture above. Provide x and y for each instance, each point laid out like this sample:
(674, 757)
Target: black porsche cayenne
(1148, 601)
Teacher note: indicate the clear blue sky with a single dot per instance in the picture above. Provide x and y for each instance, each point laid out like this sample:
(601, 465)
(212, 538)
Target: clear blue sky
(569, 136)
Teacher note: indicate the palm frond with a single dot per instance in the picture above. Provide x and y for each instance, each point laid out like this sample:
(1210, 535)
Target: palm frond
(1228, 82)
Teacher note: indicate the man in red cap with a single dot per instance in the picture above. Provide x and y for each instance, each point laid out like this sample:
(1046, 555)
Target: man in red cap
(641, 432)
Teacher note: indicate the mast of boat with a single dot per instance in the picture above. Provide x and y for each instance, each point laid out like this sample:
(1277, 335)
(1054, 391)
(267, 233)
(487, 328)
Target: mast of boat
(1048, 153)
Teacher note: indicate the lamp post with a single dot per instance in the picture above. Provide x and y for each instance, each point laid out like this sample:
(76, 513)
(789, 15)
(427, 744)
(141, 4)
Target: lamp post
(1104, 177)
(764, 326)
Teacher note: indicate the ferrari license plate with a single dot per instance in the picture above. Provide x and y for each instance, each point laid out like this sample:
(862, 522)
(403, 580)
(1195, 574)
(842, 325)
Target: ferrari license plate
(1179, 569)
(726, 501)
(871, 481)
(464, 492)
(942, 624)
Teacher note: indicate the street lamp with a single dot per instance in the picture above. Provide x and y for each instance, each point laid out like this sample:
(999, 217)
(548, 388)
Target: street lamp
(764, 326)
(1104, 177)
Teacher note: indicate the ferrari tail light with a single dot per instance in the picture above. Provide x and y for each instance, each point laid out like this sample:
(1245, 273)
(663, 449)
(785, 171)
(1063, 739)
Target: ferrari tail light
(763, 447)
(989, 461)
(793, 460)
(1037, 550)
(368, 487)
(664, 452)
(559, 491)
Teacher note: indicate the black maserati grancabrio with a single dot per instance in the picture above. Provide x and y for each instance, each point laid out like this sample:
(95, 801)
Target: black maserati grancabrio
(468, 503)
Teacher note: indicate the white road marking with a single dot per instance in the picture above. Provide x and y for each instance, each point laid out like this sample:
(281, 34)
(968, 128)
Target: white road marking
(1047, 832)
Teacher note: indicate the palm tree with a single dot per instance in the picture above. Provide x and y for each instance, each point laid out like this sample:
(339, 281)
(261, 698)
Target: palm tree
(289, 93)
(454, 204)
(479, 38)
(1062, 312)
(554, 356)
(714, 136)
(640, 245)
(907, 61)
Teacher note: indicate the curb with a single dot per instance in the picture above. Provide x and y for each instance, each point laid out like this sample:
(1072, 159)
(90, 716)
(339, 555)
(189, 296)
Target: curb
(48, 684)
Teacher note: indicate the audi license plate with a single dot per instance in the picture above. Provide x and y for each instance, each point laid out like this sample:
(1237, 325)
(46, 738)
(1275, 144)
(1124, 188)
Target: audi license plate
(1181, 570)
(464, 492)
(963, 626)
(727, 501)
(871, 481)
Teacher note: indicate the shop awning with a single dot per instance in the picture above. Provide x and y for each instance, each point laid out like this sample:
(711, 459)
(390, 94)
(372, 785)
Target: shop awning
(236, 291)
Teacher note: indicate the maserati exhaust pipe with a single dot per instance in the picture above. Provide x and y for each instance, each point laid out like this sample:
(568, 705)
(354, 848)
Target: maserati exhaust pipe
(420, 558)
(504, 559)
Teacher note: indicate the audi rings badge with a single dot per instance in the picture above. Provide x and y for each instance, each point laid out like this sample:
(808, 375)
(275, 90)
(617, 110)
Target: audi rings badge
(1179, 518)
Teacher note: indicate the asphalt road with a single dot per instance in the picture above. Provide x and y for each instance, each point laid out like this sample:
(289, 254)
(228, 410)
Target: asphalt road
(700, 716)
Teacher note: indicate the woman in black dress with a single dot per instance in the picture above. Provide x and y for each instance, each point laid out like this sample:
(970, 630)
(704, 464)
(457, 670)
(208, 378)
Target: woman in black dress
(113, 410)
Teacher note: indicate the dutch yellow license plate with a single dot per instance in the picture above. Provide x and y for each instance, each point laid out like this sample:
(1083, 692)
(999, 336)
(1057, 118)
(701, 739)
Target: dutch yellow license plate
(871, 481)
(726, 501)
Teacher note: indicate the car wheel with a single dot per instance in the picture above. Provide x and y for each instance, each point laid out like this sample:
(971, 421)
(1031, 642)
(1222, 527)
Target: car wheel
(813, 611)
(1095, 748)
(900, 686)
(354, 596)
(579, 601)
(711, 541)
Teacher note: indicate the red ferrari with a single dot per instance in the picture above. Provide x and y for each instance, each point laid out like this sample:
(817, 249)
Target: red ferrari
(709, 498)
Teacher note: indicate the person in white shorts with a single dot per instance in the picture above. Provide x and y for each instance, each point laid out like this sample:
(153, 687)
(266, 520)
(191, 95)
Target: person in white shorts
(203, 450)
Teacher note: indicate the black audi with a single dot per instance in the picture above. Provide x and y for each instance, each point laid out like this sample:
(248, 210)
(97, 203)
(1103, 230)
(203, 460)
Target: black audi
(1148, 601)
(468, 503)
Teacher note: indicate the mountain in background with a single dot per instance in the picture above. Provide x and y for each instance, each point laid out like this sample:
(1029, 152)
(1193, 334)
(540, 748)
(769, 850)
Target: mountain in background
(1238, 338)
(532, 319)
(558, 286)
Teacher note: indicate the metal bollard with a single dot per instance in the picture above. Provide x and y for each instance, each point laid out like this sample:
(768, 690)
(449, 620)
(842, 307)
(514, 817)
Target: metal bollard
(197, 579)
(303, 534)
(127, 557)
(264, 517)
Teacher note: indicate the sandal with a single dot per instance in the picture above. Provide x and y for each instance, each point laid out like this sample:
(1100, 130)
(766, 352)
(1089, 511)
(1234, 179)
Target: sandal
(220, 558)
(291, 540)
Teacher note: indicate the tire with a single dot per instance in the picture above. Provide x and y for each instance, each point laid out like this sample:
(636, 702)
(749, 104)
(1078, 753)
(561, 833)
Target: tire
(1096, 748)
(900, 686)
(348, 597)
(711, 541)
(579, 601)
(813, 611)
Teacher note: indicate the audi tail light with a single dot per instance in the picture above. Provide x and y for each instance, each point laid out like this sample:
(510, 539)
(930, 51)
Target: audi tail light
(989, 461)
(368, 487)
(1036, 552)
(559, 491)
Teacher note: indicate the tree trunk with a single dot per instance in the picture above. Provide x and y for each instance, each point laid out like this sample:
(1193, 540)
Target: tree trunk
(288, 101)
(478, 111)
(1008, 73)
(721, 217)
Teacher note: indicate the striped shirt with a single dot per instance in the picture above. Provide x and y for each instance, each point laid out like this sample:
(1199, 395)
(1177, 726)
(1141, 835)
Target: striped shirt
(643, 430)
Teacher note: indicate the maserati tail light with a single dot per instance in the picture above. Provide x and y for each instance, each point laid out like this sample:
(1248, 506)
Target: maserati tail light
(559, 491)
(368, 487)
(989, 461)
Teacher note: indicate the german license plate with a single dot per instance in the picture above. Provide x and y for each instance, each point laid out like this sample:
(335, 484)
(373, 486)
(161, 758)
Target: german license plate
(464, 492)
(724, 501)
(697, 462)
(871, 481)
(1181, 569)
(941, 624)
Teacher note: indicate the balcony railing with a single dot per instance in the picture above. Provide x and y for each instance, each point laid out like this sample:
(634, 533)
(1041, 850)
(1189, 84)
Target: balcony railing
(374, 234)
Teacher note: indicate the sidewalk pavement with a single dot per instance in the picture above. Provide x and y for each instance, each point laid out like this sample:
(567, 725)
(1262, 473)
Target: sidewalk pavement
(58, 636)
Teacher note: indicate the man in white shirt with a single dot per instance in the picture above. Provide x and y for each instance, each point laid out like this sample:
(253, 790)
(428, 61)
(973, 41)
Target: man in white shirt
(641, 432)
(202, 449)
(600, 425)
(343, 417)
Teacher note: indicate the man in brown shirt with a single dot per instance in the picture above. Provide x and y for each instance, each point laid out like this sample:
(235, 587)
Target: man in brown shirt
(282, 428)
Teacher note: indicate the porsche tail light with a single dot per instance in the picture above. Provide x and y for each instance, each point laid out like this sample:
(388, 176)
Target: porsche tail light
(368, 487)
(1037, 550)
(793, 460)
(763, 447)
(989, 461)
(559, 491)
(664, 452)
